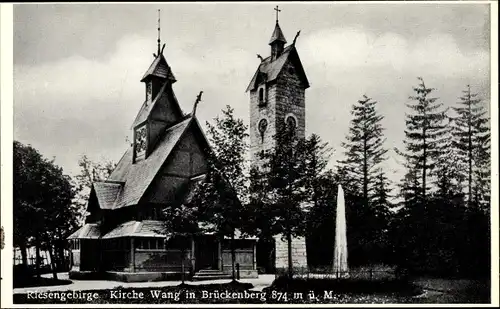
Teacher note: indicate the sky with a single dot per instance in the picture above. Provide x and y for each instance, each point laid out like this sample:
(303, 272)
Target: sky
(77, 67)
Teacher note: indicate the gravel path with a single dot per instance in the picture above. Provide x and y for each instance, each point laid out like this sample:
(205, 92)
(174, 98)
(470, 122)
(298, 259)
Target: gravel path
(85, 285)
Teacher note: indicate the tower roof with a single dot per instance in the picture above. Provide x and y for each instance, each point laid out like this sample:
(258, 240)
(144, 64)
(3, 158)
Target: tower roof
(277, 35)
(159, 68)
(271, 69)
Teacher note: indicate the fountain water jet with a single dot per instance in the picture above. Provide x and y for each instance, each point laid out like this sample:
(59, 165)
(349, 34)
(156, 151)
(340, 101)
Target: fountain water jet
(340, 267)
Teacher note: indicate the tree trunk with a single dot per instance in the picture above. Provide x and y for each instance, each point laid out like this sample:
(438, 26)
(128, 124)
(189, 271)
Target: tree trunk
(37, 255)
(233, 257)
(365, 172)
(290, 263)
(52, 261)
(470, 147)
(60, 252)
(424, 167)
(183, 257)
(24, 253)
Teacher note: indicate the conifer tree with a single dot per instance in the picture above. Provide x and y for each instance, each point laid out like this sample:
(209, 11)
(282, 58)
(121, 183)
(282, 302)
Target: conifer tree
(290, 180)
(316, 156)
(221, 195)
(424, 134)
(364, 149)
(471, 139)
(284, 183)
(448, 172)
(410, 187)
(381, 192)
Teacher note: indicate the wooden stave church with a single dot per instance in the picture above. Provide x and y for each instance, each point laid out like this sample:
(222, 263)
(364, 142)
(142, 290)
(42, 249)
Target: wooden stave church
(166, 161)
(284, 99)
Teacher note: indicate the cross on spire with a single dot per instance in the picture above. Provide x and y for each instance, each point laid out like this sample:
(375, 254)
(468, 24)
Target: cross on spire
(159, 32)
(277, 12)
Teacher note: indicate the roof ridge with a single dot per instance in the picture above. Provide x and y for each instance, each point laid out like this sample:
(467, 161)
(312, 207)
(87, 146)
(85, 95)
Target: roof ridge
(198, 176)
(115, 182)
(178, 123)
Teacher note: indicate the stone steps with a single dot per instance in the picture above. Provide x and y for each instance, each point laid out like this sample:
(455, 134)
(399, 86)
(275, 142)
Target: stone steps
(210, 274)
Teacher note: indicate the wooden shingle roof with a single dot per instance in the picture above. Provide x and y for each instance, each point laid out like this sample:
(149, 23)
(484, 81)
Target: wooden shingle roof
(107, 193)
(271, 69)
(145, 228)
(277, 35)
(88, 231)
(159, 68)
(146, 108)
(138, 176)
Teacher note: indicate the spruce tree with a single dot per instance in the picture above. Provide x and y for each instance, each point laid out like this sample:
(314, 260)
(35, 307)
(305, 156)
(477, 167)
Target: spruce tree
(381, 192)
(410, 187)
(424, 135)
(364, 149)
(449, 176)
(471, 139)
(316, 156)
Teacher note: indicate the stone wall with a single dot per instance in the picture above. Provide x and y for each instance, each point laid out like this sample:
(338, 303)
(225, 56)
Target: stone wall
(257, 113)
(290, 97)
(284, 97)
(299, 252)
(75, 259)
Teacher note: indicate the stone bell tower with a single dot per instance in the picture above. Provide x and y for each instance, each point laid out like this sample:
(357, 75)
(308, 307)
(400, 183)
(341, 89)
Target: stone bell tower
(277, 98)
(277, 94)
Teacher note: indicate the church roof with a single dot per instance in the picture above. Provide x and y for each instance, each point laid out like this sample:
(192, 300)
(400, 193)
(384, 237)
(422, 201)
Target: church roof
(271, 69)
(145, 228)
(106, 193)
(88, 231)
(138, 176)
(277, 35)
(129, 181)
(146, 108)
(159, 68)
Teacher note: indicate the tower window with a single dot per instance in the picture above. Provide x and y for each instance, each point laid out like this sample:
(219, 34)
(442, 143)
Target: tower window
(262, 128)
(149, 91)
(262, 97)
(291, 124)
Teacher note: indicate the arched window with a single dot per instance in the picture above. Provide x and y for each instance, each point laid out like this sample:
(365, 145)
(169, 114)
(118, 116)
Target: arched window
(291, 124)
(262, 128)
(261, 96)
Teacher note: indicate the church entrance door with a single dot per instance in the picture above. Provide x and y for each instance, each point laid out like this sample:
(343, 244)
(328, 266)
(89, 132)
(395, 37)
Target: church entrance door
(207, 253)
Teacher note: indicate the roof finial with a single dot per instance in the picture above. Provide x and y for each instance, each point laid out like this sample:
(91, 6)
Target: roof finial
(296, 36)
(198, 99)
(159, 32)
(277, 12)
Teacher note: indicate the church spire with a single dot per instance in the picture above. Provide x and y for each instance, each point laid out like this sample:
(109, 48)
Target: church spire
(159, 40)
(277, 40)
(158, 72)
